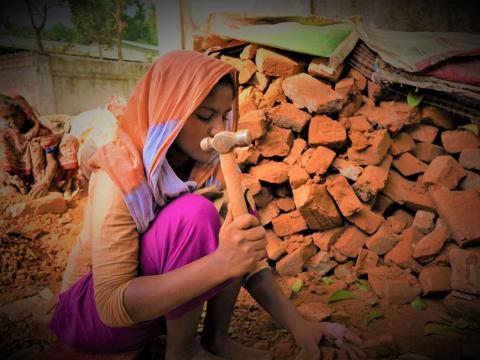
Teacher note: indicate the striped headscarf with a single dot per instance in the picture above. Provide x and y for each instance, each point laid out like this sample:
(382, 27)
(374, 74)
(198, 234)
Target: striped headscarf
(161, 102)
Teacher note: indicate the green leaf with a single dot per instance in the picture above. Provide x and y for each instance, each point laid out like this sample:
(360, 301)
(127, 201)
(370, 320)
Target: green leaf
(297, 285)
(328, 280)
(362, 285)
(439, 329)
(375, 314)
(413, 99)
(341, 295)
(418, 304)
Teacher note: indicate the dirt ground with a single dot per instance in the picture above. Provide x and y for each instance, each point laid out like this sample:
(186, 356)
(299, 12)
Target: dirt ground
(34, 251)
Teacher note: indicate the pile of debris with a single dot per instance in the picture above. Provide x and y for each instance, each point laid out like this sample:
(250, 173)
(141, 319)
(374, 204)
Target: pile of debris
(353, 183)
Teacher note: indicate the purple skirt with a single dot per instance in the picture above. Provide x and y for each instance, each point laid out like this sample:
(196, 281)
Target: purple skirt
(184, 230)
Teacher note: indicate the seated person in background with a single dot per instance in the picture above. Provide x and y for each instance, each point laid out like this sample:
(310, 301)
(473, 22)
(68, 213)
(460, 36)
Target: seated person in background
(33, 158)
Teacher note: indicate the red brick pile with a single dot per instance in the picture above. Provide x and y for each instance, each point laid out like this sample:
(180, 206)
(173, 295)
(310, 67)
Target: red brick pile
(350, 184)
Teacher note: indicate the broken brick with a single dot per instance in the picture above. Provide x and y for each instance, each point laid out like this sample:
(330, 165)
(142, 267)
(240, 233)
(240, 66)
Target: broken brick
(454, 141)
(343, 271)
(347, 169)
(327, 132)
(401, 254)
(268, 213)
(277, 142)
(315, 311)
(350, 242)
(397, 286)
(285, 204)
(383, 240)
(366, 220)
(374, 90)
(401, 143)
(293, 242)
(320, 160)
(246, 68)
(434, 279)
(293, 263)
(366, 261)
(379, 142)
(444, 171)
(424, 221)
(273, 94)
(465, 270)
(320, 67)
(345, 86)
(430, 245)
(470, 182)
(274, 245)
(255, 122)
(470, 159)
(270, 171)
(372, 180)
(427, 152)
(248, 52)
(408, 165)
(296, 150)
(246, 101)
(360, 80)
(423, 133)
(289, 116)
(260, 81)
(339, 188)
(247, 155)
(263, 197)
(321, 263)
(437, 117)
(289, 223)
(275, 64)
(324, 239)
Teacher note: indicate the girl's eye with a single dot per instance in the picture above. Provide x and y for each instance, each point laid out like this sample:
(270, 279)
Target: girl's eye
(203, 118)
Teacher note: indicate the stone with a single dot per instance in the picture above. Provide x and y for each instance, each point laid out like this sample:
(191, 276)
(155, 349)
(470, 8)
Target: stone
(383, 240)
(350, 242)
(246, 68)
(277, 142)
(275, 64)
(321, 263)
(401, 254)
(409, 165)
(319, 160)
(444, 171)
(379, 143)
(345, 87)
(454, 141)
(320, 67)
(427, 152)
(254, 121)
(289, 116)
(397, 286)
(274, 246)
(401, 143)
(430, 245)
(268, 213)
(292, 264)
(437, 117)
(372, 180)
(297, 176)
(307, 92)
(366, 261)
(465, 265)
(470, 159)
(423, 133)
(274, 172)
(344, 196)
(455, 208)
(295, 151)
(289, 223)
(326, 132)
(435, 279)
(347, 169)
(315, 311)
(366, 220)
(317, 207)
(424, 221)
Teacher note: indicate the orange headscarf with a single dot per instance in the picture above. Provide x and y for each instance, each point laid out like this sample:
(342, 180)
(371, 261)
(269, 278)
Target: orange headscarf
(160, 104)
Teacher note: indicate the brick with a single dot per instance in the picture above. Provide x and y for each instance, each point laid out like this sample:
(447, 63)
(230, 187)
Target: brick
(372, 180)
(289, 223)
(274, 245)
(320, 160)
(246, 68)
(251, 183)
(343, 271)
(366, 220)
(380, 346)
(260, 81)
(345, 87)
(320, 67)
(293, 263)
(465, 270)
(401, 143)
(324, 239)
(437, 117)
(52, 203)
(307, 92)
(386, 118)
(344, 196)
(248, 52)
(326, 132)
(406, 114)
(275, 64)
(321, 263)
(401, 254)
(297, 176)
(430, 245)
(444, 171)
(383, 240)
(347, 169)
(293, 242)
(424, 221)
(268, 213)
(360, 123)
(285, 204)
(351, 106)
(296, 150)
(379, 142)
(408, 165)
(400, 220)
(427, 152)
(289, 116)
(366, 261)
(246, 101)
(397, 286)
(255, 122)
(359, 140)
(273, 94)
(317, 207)
(423, 133)
(277, 142)
(350, 242)
(263, 197)
(454, 141)
(455, 208)
(247, 155)
(374, 90)
(443, 259)
(470, 159)
(435, 279)
(461, 306)
(381, 204)
(270, 171)
(338, 256)
(360, 80)
(470, 182)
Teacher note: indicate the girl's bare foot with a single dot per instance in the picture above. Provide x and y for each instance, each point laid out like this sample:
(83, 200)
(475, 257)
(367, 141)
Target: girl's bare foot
(229, 349)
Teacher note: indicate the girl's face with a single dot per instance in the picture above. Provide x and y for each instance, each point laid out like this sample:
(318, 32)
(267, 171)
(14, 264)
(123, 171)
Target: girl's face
(207, 120)
(13, 116)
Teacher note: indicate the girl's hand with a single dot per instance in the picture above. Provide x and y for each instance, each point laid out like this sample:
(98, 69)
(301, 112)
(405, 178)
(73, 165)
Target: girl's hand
(241, 244)
(38, 190)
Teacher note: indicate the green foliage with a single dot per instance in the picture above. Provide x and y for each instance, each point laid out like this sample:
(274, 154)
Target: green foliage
(328, 280)
(375, 314)
(413, 99)
(418, 304)
(60, 32)
(297, 285)
(341, 295)
(362, 285)
(141, 26)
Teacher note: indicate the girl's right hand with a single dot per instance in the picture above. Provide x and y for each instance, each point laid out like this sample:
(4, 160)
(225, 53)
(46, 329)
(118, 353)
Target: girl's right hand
(241, 244)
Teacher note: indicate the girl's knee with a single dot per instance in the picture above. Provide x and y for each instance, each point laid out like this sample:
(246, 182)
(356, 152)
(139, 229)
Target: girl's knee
(197, 210)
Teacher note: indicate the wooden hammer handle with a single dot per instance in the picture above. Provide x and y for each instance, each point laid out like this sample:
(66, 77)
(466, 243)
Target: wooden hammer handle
(234, 186)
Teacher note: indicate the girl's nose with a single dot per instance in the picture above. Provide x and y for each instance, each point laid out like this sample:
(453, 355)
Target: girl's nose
(217, 126)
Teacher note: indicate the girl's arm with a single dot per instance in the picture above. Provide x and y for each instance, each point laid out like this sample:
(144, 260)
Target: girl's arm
(41, 188)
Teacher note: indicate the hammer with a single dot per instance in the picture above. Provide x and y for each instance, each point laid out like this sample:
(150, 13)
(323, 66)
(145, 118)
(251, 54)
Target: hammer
(224, 142)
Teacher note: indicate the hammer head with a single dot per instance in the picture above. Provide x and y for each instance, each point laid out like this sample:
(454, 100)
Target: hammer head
(225, 141)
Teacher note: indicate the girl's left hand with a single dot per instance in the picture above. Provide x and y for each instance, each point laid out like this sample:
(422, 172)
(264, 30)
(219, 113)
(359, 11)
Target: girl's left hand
(38, 190)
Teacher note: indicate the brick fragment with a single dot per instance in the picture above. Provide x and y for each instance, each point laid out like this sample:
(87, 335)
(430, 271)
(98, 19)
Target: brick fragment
(343, 271)
(324, 239)
(372, 180)
(427, 152)
(345, 87)
(408, 165)
(255, 122)
(360, 80)
(319, 160)
(274, 245)
(423, 133)
(381, 204)
(470, 182)
(350, 242)
(277, 142)
(383, 240)
(437, 117)
(327, 132)
(251, 183)
(424, 221)
(351, 106)
(285, 204)
(435, 279)
(320, 67)
(268, 213)
(275, 64)
(296, 150)
(374, 90)
(293, 242)
(360, 123)
(379, 142)
(270, 171)
(247, 155)
(273, 94)
(263, 197)
(289, 116)
(465, 270)
(397, 286)
(401, 143)
(470, 159)
(52, 203)
(293, 263)
(246, 101)
(462, 305)
(248, 52)
(317, 207)
(347, 169)
(340, 190)
(246, 68)
(366, 220)
(261, 81)
(308, 92)
(430, 245)
(315, 311)
(366, 261)
(457, 211)
(401, 254)
(400, 220)
(321, 263)
(454, 141)
(444, 171)
(297, 176)
(289, 223)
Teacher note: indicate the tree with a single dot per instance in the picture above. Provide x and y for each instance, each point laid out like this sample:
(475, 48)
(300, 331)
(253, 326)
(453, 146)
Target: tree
(141, 26)
(94, 21)
(37, 11)
(120, 24)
